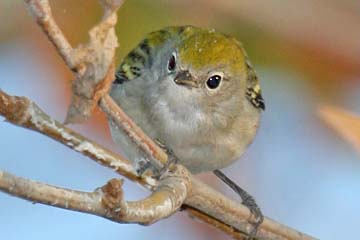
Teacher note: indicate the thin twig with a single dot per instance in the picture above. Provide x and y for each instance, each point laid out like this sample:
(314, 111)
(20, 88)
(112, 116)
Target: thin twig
(41, 12)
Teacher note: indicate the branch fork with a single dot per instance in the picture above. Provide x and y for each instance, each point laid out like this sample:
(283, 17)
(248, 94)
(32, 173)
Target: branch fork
(167, 198)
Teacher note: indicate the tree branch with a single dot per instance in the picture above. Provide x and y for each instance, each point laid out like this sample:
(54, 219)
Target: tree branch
(41, 12)
(202, 202)
(108, 201)
(145, 143)
(23, 112)
(93, 66)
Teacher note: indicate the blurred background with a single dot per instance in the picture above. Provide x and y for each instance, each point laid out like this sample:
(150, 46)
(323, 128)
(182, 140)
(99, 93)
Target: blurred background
(302, 174)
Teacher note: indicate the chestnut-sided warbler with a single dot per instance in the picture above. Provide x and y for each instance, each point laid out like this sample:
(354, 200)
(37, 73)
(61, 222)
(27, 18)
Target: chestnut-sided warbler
(193, 89)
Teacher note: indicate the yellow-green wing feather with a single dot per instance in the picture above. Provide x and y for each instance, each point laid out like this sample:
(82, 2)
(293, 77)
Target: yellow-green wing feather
(253, 91)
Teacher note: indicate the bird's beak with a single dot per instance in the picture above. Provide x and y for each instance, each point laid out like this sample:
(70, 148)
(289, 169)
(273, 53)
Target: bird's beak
(185, 78)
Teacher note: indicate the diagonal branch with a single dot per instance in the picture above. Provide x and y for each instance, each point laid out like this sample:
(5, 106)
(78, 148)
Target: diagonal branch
(145, 143)
(41, 12)
(23, 112)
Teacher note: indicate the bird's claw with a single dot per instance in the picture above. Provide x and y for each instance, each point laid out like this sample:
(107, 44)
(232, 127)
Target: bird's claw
(247, 200)
(142, 166)
(172, 159)
(255, 211)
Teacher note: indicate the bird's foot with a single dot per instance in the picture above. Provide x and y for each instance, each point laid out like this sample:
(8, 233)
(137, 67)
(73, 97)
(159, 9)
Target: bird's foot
(255, 211)
(247, 200)
(142, 165)
(172, 159)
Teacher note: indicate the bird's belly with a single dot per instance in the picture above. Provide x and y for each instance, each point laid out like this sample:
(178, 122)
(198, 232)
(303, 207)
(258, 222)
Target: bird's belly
(203, 157)
(198, 152)
(196, 156)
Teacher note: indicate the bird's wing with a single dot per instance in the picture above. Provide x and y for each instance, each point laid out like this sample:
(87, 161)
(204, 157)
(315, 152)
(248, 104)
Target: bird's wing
(253, 91)
(134, 63)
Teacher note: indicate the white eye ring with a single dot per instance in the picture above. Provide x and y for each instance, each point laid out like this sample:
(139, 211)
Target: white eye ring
(214, 81)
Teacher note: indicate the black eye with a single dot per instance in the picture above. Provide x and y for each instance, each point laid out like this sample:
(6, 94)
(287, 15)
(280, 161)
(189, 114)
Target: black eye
(213, 81)
(172, 63)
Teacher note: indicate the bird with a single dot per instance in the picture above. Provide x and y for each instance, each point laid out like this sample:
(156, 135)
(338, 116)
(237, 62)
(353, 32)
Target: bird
(194, 90)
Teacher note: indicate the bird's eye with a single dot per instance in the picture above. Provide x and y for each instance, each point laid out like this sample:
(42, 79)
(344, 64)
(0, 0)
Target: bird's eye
(172, 63)
(213, 81)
